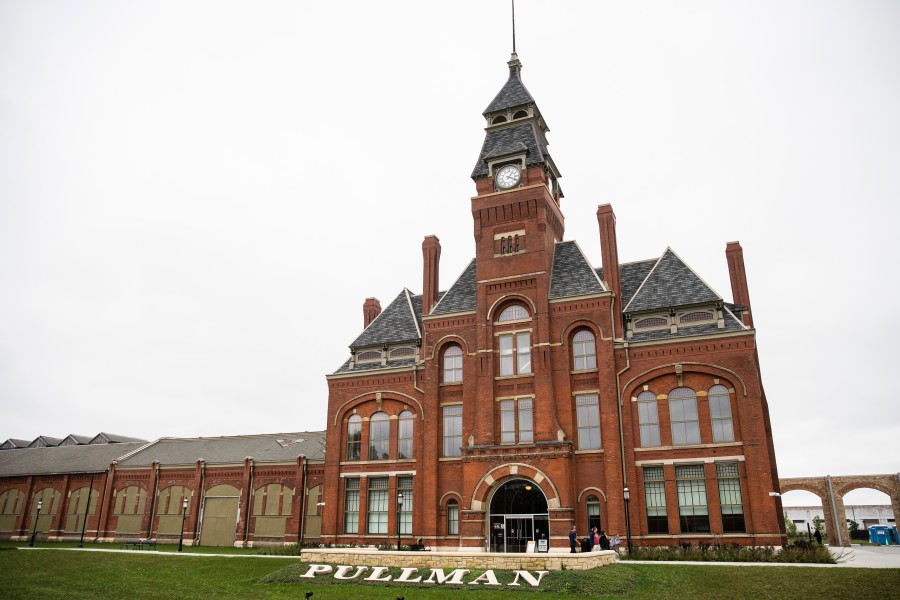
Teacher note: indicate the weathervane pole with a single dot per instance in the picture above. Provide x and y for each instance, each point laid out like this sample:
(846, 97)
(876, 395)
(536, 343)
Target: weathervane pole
(514, 24)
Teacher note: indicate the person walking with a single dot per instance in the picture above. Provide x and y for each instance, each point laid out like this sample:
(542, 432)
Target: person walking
(573, 540)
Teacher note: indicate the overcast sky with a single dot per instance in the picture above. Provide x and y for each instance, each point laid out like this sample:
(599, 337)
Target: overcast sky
(196, 197)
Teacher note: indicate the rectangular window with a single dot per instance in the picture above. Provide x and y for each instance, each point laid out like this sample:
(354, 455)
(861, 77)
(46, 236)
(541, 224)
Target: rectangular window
(405, 487)
(351, 506)
(648, 417)
(685, 422)
(730, 499)
(655, 497)
(377, 514)
(516, 421)
(720, 414)
(452, 430)
(587, 407)
(693, 511)
(452, 518)
(515, 354)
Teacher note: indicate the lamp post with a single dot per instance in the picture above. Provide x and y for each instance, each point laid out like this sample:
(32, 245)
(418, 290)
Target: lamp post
(184, 504)
(626, 493)
(36, 517)
(399, 510)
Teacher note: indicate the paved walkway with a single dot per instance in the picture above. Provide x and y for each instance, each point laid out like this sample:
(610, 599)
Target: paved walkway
(859, 557)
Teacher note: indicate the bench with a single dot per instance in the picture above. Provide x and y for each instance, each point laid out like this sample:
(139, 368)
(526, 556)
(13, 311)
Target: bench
(139, 544)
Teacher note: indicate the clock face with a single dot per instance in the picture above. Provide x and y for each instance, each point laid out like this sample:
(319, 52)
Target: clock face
(508, 177)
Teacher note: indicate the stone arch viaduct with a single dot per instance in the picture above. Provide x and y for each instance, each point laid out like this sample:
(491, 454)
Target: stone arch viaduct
(831, 490)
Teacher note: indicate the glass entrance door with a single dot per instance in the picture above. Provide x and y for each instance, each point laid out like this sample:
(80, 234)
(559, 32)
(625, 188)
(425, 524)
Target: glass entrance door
(519, 531)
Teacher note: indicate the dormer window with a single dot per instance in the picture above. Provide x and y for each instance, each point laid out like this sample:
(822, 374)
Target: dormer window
(696, 317)
(520, 114)
(404, 352)
(368, 356)
(498, 119)
(651, 323)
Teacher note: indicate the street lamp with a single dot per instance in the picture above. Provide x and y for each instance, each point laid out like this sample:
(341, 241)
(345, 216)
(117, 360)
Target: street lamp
(626, 493)
(38, 516)
(399, 510)
(184, 504)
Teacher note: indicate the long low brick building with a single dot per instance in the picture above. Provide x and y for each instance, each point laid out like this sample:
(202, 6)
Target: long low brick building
(240, 490)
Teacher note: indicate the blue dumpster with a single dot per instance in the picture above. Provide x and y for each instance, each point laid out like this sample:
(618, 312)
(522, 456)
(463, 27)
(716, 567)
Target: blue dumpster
(880, 534)
(896, 536)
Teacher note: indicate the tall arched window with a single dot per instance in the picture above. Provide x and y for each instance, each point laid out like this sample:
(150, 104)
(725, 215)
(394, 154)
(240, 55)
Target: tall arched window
(453, 364)
(648, 418)
(379, 436)
(683, 416)
(354, 437)
(584, 349)
(593, 513)
(405, 435)
(452, 517)
(720, 414)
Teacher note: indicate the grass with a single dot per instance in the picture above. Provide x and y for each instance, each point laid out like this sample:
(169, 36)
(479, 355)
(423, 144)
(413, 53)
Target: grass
(136, 575)
(159, 547)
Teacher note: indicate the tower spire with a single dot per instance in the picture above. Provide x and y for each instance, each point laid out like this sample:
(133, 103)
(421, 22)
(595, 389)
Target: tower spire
(514, 25)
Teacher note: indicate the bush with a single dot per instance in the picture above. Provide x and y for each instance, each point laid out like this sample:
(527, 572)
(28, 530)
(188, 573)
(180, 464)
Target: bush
(799, 552)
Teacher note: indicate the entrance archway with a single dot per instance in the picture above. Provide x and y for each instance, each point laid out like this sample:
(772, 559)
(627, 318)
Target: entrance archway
(518, 515)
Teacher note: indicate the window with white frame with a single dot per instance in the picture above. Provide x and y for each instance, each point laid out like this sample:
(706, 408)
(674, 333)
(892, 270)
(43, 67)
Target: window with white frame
(354, 437)
(648, 419)
(584, 350)
(693, 510)
(587, 408)
(452, 517)
(683, 416)
(379, 436)
(720, 414)
(513, 312)
(655, 500)
(377, 513)
(405, 435)
(351, 505)
(515, 353)
(453, 372)
(452, 430)
(516, 421)
(405, 487)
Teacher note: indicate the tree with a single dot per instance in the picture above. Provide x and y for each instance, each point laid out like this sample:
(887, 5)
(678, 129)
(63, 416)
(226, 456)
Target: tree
(853, 525)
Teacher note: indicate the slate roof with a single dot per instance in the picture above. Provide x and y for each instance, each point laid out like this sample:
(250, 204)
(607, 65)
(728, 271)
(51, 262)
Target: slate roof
(371, 366)
(513, 93)
(113, 438)
(572, 274)
(14, 443)
(63, 459)
(74, 439)
(461, 295)
(511, 140)
(396, 323)
(44, 441)
(670, 283)
(274, 447)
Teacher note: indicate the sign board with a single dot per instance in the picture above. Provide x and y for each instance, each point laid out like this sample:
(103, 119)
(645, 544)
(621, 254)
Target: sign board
(529, 548)
(543, 546)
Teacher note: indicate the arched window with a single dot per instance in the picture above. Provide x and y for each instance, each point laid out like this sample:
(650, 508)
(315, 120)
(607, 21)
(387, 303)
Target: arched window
(683, 416)
(584, 349)
(593, 513)
(379, 436)
(452, 517)
(648, 418)
(513, 312)
(499, 119)
(720, 414)
(405, 435)
(520, 114)
(453, 364)
(354, 437)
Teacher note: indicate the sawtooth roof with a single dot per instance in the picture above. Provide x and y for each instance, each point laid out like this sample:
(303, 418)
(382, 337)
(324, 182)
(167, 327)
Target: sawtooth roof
(274, 447)
(63, 459)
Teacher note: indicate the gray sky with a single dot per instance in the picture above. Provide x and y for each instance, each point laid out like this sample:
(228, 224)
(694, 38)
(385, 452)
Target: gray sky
(196, 197)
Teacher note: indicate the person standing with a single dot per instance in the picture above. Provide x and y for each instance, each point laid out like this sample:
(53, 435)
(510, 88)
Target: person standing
(591, 539)
(818, 537)
(573, 539)
(604, 541)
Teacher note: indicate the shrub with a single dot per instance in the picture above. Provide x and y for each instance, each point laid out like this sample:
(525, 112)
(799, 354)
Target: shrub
(800, 552)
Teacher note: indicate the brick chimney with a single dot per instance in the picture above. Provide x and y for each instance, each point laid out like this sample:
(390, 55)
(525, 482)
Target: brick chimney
(735, 256)
(371, 309)
(609, 249)
(431, 258)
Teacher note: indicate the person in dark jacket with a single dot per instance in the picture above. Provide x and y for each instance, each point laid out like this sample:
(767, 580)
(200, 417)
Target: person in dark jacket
(604, 541)
(573, 540)
(818, 537)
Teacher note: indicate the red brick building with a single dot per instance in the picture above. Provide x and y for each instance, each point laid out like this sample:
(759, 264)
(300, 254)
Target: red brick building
(526, 398)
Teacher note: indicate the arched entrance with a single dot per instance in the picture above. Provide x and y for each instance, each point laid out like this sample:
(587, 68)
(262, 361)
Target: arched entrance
(518, 515)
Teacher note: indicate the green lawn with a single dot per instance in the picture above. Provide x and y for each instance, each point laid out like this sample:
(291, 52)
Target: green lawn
(70, 575)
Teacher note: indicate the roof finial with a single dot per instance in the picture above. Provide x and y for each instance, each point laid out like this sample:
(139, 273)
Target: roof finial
(514, 25)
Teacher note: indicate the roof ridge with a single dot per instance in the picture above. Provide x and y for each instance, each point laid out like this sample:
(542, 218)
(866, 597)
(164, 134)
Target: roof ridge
(696, 274)
(412, 311)
(590, 265)
(646, 277)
